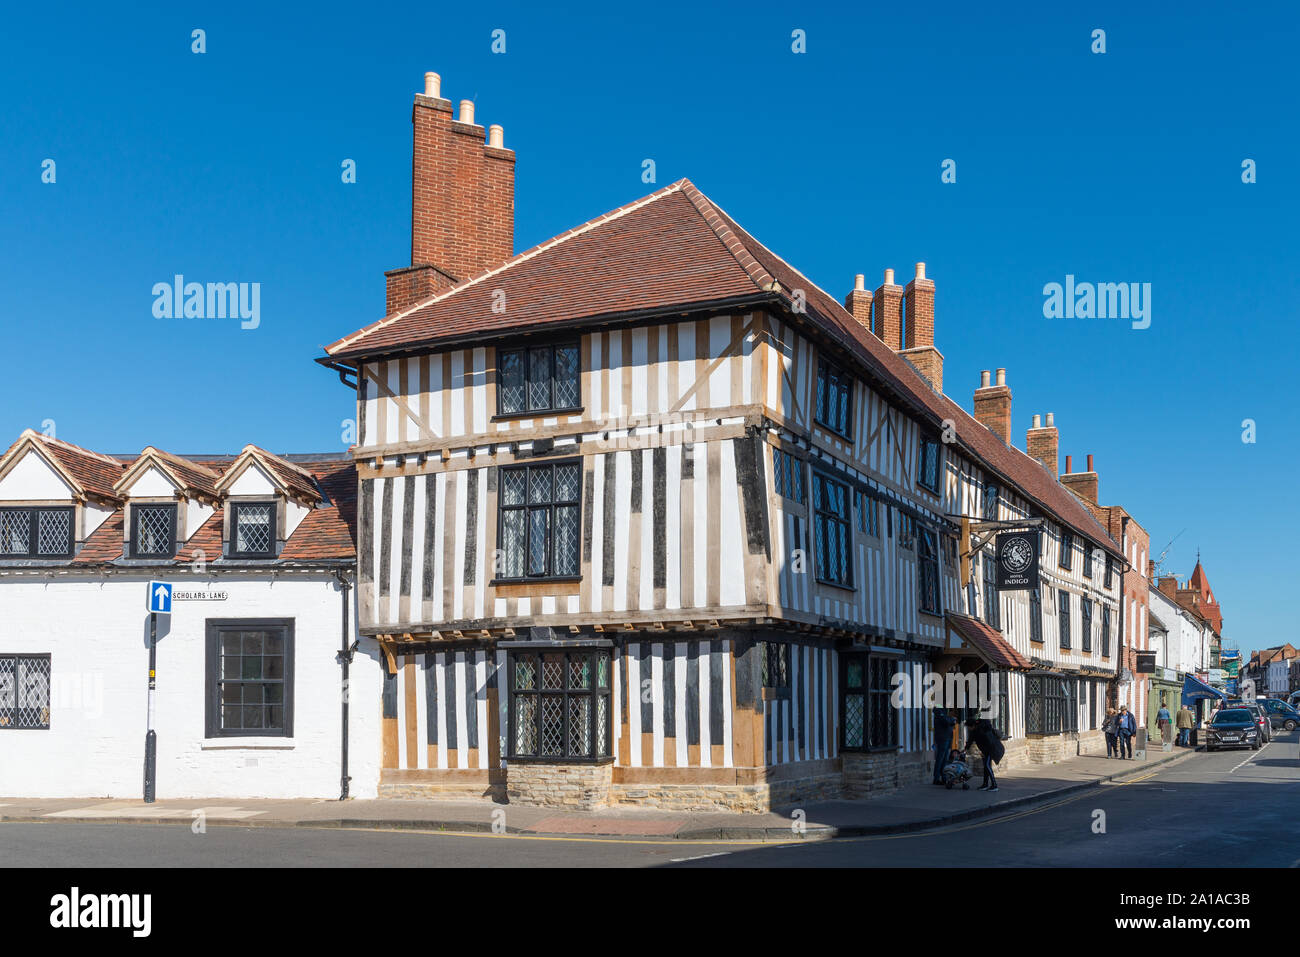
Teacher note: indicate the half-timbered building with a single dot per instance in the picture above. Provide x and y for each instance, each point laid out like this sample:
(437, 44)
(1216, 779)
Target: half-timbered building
(647, 516)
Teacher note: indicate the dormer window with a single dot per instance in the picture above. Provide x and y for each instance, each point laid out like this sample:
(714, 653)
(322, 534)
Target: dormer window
(153, 531)
(38, 532)
(252, 530)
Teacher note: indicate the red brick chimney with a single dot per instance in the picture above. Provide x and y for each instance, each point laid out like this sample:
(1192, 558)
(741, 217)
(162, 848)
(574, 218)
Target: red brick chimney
(462, 199)
(1041, 441)
(993, 405)
(889, 312)
(918, 330)
(858, 302)
(1082, 484)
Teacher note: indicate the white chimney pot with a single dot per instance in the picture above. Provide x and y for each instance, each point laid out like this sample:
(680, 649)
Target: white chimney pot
(859, 283)
(432, 85)
(496, 136)
(920, 270)
(1051, 420)
(1038, 422)
(889, 277)
(467, 111)
(984, 378)
(1002, 377)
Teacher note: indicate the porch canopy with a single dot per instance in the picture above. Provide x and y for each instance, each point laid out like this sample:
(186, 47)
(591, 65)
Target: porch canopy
(1194, 689)
(968, 637)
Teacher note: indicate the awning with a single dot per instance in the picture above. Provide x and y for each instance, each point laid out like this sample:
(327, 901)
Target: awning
(971, 636)
(1194, 689)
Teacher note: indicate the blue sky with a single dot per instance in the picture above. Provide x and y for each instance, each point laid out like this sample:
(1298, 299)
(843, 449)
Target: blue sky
(1118, 167)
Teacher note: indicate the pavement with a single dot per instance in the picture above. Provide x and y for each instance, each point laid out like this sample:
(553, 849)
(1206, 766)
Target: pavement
(912, 808)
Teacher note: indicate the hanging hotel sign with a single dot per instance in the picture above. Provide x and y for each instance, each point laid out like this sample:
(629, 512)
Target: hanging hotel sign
(1146, 662)
(1017, 560)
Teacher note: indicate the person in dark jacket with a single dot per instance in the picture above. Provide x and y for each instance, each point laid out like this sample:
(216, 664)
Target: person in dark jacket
(1126, 729)
(943, 725)
(980, 731)
(1110, 728)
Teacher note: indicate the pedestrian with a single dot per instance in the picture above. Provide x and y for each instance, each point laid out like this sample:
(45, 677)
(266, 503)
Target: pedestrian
(943, 725)
(1186, 721)
(1165, 722)
(980, 731)
(1125, 729)
(1110, 728)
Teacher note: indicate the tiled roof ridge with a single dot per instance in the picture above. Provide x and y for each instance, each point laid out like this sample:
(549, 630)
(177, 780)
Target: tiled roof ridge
(515, 260)
(305, 473)
(718, 221)
(856, 330)
(178, 460)
(77, 449)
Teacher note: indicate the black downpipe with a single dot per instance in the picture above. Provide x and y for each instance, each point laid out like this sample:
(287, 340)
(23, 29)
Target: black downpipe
(345, 659)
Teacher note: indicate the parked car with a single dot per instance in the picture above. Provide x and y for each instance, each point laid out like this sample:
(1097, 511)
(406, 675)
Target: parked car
(1233, 727)
(1261, 718)
(1280, 714)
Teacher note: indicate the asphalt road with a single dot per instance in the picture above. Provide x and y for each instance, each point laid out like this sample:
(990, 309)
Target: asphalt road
(1236, 807)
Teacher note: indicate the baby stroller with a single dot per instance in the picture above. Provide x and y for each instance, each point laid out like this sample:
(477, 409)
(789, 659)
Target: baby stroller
(956, 771)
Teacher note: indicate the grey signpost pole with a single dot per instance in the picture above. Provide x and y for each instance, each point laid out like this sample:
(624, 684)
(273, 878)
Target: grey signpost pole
(150, 737)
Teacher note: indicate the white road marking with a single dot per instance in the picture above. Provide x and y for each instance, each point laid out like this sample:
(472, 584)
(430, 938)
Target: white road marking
(1252, 756)
(700, 857)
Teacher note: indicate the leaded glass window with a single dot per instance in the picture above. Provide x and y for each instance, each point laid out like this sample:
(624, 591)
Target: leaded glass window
(36, 532)
(928, 476)
(868, 716)
(928, 579)
(992, 597)
(538, 379)
(831, 531)
(559, 703)
(1063, 616)
(252, 529)
(154, 531)
(24, 692)
(1085, 623)
(540, 524)
(834, 389)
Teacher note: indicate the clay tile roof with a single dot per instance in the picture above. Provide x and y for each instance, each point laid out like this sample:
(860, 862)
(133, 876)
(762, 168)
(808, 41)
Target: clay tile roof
(296, 478)
(990, 644)
(672, 251)
(104, 543)
(206, 539)
(331, 531)
(94, 472)
(194, 477)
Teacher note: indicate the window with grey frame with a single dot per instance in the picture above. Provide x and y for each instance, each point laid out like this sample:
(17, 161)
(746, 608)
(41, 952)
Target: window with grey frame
(1085, 623)
(868, 717)
(927, 579)
(25, 692)
(1105, 631)
(992, 598)
(1050, 704)
(543, 378)
(774, 664)
(787, 475)
(990, 502)
(831, 532)
(153, 531)
(42, 532)
(834, 392)
(868, 513)
(1063, 616)
(539, 533)
(559, 704)
(249, 675)
(1067, 548)
(1035, 615)
(252, 529)
(1087, 557)
(928, 471)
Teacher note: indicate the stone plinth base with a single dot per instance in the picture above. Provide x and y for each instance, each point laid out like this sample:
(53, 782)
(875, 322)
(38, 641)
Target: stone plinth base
(574, 786)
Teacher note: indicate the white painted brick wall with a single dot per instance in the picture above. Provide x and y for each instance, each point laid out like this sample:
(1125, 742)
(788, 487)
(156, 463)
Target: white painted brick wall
(97, 632)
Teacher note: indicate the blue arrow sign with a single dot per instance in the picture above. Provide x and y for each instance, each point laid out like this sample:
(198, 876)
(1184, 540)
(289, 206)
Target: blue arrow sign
(159, 599)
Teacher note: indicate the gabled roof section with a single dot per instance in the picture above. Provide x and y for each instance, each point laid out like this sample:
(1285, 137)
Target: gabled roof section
(88, 474)
(191, 478)
(664, 251)
(676, 251)
(291, 479)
